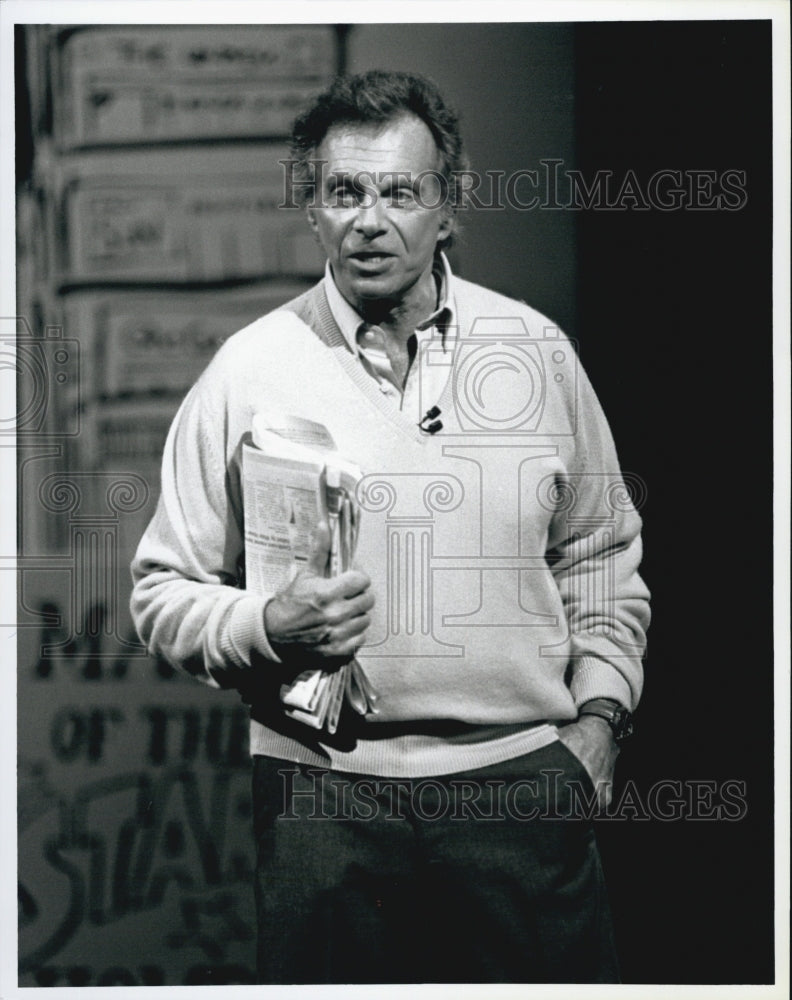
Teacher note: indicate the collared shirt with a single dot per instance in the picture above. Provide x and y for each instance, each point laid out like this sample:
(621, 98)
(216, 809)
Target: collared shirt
(434, 343)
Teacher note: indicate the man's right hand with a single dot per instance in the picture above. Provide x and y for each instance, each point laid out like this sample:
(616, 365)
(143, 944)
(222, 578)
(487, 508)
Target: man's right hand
(319, 621)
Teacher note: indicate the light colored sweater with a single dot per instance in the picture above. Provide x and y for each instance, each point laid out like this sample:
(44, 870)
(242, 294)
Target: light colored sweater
(503, 551)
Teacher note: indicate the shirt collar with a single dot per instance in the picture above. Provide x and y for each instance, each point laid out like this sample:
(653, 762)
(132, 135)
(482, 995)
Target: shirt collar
(349, 320)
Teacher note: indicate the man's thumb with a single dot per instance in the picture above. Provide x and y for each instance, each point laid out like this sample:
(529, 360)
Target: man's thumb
(320, 550)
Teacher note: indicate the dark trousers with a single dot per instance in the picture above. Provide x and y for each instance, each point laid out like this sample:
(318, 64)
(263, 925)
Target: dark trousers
(491, 875)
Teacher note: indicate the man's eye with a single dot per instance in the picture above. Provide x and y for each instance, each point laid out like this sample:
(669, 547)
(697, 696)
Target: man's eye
(403, 197)
(343, 196)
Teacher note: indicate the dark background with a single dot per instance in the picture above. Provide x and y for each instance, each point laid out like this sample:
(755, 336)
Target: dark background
(675, 323)
(672, 312)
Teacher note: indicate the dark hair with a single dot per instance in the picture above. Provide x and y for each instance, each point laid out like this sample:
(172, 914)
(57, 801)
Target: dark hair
(376, 98)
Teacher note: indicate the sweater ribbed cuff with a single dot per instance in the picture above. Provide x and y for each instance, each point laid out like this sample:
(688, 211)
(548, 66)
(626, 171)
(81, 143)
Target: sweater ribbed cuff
(245, 633)
(596, 678)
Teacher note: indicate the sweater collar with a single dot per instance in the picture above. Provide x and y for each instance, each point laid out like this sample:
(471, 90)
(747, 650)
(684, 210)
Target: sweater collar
(349, 321)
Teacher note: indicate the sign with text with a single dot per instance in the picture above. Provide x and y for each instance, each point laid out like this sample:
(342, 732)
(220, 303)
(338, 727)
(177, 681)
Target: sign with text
(148, 84)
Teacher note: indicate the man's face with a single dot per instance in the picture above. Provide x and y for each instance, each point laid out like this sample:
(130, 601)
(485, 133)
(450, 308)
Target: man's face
(380, 214)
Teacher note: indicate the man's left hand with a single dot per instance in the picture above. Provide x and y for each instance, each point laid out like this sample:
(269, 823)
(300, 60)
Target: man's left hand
(590, 739)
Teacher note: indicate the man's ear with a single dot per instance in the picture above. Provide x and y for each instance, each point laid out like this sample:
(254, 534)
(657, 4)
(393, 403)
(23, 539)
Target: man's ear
(310, 215)
(448, 225)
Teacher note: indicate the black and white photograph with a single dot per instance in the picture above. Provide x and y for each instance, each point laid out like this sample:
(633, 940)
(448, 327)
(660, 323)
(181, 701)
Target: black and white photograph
(395, 444)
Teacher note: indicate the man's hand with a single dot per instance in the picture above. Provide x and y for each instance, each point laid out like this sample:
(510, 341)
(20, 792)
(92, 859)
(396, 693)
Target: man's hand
(590, 739)
(318, 621)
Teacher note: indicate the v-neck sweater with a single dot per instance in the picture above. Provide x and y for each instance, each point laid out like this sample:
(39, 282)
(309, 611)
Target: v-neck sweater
(503, 551)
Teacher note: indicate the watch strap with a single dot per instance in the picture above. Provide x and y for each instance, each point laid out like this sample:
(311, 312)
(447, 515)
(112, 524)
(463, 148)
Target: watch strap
(605, 708)
(618, 718)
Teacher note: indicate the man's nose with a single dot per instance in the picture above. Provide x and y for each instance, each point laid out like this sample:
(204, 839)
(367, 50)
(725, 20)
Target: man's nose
(370, 218)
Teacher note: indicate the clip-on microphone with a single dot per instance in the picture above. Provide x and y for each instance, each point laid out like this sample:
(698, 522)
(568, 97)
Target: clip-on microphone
(429, 424)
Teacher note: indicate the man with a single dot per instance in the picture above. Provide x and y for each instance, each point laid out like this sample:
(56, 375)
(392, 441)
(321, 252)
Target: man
(495, 603)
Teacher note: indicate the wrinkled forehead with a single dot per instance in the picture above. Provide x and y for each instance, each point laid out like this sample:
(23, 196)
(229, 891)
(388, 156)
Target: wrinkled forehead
(401, 144)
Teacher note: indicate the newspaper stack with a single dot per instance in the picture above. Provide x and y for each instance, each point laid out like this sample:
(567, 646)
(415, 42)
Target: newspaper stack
(293, 478)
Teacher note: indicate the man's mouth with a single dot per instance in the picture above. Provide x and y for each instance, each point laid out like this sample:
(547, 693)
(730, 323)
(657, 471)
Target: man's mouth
(370, 256)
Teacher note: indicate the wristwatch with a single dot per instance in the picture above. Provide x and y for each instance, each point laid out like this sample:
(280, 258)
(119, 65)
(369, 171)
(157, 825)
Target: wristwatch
(618, 718)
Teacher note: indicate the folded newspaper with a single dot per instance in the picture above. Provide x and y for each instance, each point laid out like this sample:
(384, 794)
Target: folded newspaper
(292, 478)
